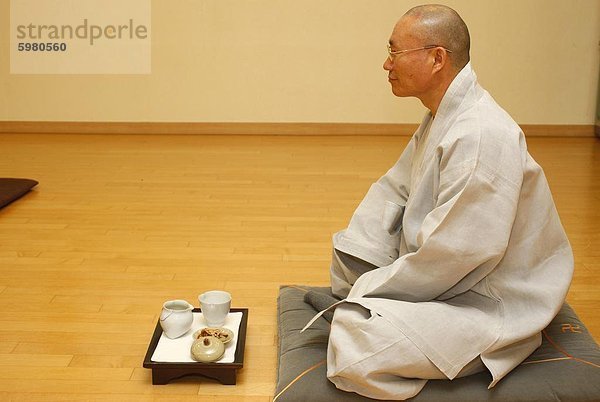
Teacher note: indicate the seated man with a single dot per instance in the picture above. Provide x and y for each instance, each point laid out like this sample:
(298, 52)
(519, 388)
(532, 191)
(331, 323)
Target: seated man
(456, 259)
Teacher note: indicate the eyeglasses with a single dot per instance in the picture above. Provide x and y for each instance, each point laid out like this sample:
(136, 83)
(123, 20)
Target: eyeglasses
(393, 53)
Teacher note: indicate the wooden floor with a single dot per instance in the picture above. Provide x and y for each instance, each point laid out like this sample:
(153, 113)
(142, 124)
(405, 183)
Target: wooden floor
(120, 224)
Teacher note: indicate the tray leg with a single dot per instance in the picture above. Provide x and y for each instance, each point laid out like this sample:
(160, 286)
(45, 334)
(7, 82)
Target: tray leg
(164, 376)
(226, 377)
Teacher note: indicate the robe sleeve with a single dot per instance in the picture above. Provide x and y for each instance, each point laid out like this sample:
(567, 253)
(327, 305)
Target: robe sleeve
(468, 228)
(373, 233)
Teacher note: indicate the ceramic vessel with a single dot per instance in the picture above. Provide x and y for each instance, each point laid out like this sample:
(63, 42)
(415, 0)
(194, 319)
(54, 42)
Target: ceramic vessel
(207, 349)
(176, 318)
(215, 307)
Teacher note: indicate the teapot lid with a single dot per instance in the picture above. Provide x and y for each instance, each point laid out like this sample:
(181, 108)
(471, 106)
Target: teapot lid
(207, 349)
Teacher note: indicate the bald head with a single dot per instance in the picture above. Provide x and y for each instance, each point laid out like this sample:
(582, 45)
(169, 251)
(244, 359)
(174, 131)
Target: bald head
(440, 25)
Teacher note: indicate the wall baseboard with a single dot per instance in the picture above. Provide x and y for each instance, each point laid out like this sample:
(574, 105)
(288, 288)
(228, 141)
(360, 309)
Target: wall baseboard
(558, 130)
(66, 127)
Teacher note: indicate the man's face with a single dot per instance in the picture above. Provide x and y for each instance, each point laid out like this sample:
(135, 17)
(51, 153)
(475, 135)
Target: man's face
(407, 72)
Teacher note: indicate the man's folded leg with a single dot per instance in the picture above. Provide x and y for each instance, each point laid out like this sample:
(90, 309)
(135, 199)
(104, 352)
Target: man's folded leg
(369, 356)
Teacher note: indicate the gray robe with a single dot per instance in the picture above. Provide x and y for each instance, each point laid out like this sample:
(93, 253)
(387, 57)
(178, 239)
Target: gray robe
(472, 258)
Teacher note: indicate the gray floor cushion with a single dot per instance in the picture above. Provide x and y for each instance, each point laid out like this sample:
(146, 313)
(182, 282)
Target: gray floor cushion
(565, 368)
(12, 189)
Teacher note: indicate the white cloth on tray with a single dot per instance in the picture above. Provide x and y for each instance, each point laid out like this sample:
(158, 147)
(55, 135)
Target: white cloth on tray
(178, 350)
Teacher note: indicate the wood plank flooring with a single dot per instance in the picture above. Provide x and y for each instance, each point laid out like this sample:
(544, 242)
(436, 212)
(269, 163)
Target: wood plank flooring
(120, 224)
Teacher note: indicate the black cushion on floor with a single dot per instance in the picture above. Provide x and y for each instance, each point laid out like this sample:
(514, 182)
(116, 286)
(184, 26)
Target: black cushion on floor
(12, 189)
(565, 368)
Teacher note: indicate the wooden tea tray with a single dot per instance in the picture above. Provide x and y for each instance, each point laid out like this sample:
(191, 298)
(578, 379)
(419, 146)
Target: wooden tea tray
(225, 373)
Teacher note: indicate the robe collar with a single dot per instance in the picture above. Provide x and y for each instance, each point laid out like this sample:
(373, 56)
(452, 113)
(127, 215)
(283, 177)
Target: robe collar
(456, 94)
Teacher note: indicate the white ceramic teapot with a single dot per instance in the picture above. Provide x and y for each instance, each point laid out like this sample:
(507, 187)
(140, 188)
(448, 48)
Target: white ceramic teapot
(176, 318)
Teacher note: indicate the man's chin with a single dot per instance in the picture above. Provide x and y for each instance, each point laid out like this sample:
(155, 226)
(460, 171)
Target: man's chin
(399, 93)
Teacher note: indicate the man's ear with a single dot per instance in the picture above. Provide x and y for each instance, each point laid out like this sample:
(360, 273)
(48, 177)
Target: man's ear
(440, 58)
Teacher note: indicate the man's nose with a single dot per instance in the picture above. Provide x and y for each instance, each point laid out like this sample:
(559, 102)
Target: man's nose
(387, 64)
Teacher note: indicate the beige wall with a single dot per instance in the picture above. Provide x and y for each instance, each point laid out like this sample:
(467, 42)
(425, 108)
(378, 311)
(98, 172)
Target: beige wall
(319, 61)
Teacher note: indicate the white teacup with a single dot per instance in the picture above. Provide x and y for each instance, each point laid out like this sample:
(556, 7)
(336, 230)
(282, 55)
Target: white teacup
(215, 306)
